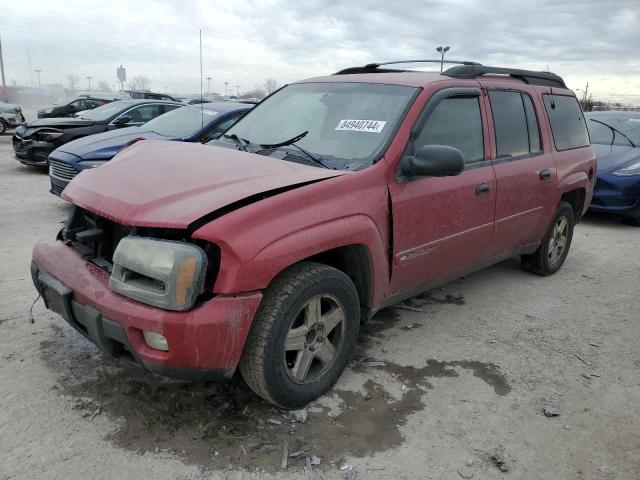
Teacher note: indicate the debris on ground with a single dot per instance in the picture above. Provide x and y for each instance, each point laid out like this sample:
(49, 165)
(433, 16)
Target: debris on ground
(465, 472)
(308, 468)
(550, 411)
(469, 462)
(285, 454)
(300, 415)
(299, 453)
(96, 412)
(347, 467)
(583, 360)
(374, 364)
(411, 326)
(273, 421)
(315, 460)
(407, 307)
(501, 463)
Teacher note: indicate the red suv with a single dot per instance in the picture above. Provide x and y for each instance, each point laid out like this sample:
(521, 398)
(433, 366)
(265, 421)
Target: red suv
(333, 198)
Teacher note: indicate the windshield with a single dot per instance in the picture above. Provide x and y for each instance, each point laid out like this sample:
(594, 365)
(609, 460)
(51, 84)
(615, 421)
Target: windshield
(182, 122)
(65, 100)
(625, 123)
(104, 112)
(345, 122)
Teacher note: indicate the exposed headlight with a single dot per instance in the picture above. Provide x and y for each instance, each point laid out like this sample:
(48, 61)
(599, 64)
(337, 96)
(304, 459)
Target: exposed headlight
(48, 136)
(92, 163)
(161, 273)
(633, 169)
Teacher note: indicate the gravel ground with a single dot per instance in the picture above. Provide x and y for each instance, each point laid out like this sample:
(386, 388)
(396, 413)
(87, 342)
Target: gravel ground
(447, 390)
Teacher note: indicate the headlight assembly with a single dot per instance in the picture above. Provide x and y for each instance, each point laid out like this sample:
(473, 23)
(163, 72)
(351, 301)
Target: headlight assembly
(162, 273)
(48, 136)
(633, 169)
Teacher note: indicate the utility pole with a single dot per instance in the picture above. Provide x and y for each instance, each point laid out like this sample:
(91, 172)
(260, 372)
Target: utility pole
(89, 78)
(37, 70)
(226, 89)
(2, 64)
(237, 90)
(209, 86)
(442, 50)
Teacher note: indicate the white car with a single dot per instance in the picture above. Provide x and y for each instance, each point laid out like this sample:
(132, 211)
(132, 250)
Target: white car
(10, 116)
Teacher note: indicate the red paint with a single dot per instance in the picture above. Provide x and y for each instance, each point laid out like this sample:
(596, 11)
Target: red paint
(415, 232)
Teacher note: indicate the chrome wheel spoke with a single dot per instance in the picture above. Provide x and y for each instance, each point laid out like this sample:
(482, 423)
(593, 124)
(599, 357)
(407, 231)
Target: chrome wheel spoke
(296, 338)
(326, 352)
(332, 319)
(302, 365)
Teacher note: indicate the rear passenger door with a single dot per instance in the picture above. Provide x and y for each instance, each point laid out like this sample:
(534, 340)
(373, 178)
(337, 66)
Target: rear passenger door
(441, 225)
(525, 172)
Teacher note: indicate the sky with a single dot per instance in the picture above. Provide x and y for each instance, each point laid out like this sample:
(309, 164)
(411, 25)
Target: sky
(246, 42)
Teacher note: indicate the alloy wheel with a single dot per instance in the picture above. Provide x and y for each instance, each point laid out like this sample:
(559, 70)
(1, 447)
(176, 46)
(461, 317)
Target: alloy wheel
(558, 242)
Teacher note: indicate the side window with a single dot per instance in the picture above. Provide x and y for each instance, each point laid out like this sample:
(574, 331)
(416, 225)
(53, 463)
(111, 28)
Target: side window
(455, 122)
(168, 108)
(144, 113)
(79, 104)
(223, 126)
(567, 122)
(510, 123)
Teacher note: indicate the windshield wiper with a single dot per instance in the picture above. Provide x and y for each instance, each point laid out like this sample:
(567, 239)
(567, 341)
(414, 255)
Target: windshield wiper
(291, 143)
(614, 130)
(241, 142)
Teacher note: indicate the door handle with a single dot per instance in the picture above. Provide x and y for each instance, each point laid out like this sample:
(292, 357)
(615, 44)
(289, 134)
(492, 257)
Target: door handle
(483, 189)
(545, 174)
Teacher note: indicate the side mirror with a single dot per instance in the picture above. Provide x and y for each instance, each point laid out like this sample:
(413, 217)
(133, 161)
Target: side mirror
(122, 120)
(434, 161)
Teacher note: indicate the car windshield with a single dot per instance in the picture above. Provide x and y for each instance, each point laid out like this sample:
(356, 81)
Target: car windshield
(65, 100)
(182, 122)
(343, 123)
(104, 112)
(626, 124)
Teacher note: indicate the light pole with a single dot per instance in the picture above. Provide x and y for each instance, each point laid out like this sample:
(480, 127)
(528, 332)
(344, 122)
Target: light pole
(442, 51)
(89, 78)
(237, 90)
(209, 86)
(37, 70)
(226, 89)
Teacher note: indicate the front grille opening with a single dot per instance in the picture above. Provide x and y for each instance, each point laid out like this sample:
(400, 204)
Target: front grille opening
(96, 239)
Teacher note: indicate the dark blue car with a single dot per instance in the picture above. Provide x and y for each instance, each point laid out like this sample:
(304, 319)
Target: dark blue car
(615, 138)
(194, 123)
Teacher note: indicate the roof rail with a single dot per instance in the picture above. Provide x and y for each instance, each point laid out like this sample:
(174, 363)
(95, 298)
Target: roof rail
(374, 67)
(532, 77)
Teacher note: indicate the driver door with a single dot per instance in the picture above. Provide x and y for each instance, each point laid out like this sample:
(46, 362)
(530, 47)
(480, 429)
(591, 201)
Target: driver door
(442, 225)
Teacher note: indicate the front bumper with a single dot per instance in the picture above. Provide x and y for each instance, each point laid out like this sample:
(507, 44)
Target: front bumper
(619, 196)
(205, 343)
(32, 152)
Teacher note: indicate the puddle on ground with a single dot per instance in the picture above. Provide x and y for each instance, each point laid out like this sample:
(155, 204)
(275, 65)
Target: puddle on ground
(214, 425)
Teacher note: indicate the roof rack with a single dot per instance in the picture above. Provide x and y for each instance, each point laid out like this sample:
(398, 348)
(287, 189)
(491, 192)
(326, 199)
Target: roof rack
(531, 77)
(466, 69)
(375, 67)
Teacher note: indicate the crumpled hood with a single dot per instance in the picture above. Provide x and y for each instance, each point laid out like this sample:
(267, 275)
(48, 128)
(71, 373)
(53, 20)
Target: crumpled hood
(614, 156)
(172, 184)
(106, 144)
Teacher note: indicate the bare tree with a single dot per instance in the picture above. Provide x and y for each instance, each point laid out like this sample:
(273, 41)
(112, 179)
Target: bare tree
(73, 81)
(104, 86)
(270, 85)
(255, 92)
(139, 83)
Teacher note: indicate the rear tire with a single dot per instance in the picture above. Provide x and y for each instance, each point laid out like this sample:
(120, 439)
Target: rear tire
(3, 127)
(302, 335)
(553, 250)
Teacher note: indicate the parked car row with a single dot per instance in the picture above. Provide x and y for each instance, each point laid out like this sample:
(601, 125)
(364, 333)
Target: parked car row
(263, 250)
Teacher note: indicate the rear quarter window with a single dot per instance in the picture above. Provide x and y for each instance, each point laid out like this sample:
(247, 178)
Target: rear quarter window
(567, 122)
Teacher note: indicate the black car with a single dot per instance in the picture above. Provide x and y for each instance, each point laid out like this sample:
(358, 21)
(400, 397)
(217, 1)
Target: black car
(34, 141)
(69, 106)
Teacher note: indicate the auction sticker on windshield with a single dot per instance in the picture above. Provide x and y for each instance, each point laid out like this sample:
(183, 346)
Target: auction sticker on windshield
(373, 126)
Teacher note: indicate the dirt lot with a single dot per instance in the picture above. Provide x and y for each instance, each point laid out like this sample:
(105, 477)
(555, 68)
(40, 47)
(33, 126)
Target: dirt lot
(433, 392)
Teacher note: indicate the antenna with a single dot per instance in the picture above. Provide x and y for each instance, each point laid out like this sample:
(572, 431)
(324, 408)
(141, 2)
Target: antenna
(201, 104)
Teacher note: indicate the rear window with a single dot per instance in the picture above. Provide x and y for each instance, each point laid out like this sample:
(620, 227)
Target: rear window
(515, 124)
(567, 122)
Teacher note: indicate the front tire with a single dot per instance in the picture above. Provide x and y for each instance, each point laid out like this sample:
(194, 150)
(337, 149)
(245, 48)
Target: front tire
(3, 127)
(553, 250)
(302, 336)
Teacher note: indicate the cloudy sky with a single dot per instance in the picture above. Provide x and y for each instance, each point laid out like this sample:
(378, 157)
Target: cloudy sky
(245, 42)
